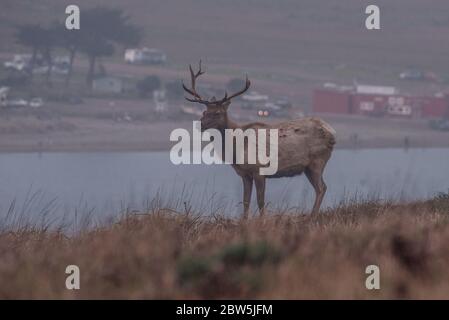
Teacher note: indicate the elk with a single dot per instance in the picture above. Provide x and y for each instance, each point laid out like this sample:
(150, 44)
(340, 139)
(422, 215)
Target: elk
(305, 145)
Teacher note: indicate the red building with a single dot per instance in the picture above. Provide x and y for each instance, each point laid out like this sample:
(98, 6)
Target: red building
(332, 101)
(378, 101)
(386, 105)
(434, 107)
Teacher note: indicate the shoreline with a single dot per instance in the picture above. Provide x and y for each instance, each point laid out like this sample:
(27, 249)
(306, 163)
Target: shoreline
(33, 133)
(141, 147)
(143, 150)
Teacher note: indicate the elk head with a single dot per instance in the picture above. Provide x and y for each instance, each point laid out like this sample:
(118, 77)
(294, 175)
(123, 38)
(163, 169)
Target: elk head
(215, 116)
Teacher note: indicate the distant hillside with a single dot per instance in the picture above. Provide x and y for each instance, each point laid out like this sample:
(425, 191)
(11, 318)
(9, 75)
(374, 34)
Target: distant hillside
(284, 32)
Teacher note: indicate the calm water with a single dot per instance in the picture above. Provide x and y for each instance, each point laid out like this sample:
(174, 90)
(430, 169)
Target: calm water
(109, 182)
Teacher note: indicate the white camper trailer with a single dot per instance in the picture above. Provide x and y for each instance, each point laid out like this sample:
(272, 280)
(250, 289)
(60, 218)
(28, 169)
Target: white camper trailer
(145, 56)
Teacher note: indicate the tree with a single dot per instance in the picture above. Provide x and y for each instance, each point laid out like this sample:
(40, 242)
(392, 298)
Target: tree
(174, 89)
(31, 35)
(103, 28)
(71, 40)
(95, 48)
(41, 40)
(49, 41)
(148, 85)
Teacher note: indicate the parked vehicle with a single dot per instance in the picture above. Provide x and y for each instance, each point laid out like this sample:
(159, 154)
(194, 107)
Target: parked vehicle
(145, 56)
(279, 108)
(419, 76)
(411, 75)
(36, 103)
(253, 100)
(20, 62)
(56, 69)
(17, 103)
(441, 124)
(283, 103)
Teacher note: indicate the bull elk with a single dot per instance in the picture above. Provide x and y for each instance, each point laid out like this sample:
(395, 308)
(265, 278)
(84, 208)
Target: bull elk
(304, 145)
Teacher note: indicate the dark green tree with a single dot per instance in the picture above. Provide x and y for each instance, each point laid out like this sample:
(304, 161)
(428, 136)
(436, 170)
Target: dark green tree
(31, 35)
(70, 40)
(103, 28)
(49, 41)
(148, 85)
(174, 89)
(41, 40)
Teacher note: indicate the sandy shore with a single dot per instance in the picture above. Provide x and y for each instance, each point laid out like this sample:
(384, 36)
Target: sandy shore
(100, 127)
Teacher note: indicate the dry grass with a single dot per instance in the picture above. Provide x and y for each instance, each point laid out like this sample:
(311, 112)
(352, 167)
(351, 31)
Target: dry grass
(165, 254)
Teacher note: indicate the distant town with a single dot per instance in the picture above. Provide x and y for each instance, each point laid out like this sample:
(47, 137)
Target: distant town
(81, 90)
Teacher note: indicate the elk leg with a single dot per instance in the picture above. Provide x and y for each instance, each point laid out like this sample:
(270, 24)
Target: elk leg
(260, 189)
(314, 173)
(247, 190)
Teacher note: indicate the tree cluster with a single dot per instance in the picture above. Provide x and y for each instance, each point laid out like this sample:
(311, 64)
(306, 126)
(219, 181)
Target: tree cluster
(102, 30)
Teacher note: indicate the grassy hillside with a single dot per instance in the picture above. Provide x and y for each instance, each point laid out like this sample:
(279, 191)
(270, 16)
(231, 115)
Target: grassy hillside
(285, 32)
(163, 254)
(288, 47)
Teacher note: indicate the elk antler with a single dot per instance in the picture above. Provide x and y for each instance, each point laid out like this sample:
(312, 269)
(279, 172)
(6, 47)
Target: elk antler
(197, 98)
(192, 91)
(247, 85)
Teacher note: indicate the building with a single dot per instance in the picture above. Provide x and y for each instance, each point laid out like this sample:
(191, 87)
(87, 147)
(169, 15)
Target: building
(107, 85)
(381, 105)
(434, 107)
(378, 101)
(332, 100)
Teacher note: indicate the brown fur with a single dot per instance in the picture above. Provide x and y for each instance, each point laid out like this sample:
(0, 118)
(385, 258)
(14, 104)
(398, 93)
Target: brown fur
(304, 145)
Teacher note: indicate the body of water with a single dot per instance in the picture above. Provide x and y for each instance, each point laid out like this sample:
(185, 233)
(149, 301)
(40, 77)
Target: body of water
(105, 183)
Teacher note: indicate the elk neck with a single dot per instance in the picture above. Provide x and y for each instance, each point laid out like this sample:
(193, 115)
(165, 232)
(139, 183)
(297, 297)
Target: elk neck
(229, 124)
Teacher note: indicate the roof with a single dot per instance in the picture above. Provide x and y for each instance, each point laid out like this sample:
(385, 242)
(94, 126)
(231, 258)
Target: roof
(383, 90)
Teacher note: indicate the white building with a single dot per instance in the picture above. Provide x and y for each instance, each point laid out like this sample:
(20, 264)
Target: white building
(107, 85)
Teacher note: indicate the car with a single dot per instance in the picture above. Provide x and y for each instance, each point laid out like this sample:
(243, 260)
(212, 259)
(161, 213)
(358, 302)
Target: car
(441, 124)
(20, 62)
(40, 69)
(60, 69)
(411, 75)
(36, 103)
(273, 109)
(17, 103)
(19, 66)
(283, 103)
(253, 100)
